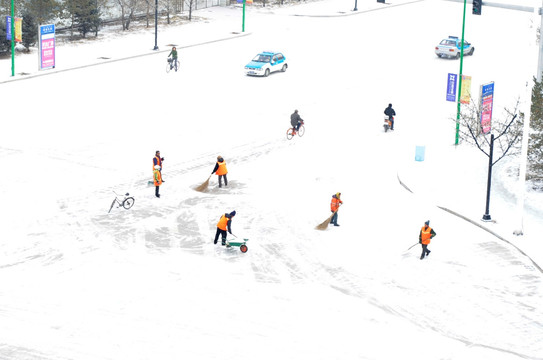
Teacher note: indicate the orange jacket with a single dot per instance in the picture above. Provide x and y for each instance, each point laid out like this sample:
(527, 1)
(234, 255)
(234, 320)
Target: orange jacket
(157, 177)
(426, 233)
(222, 168)
(157, 160)
(334, 205)
(223, 222)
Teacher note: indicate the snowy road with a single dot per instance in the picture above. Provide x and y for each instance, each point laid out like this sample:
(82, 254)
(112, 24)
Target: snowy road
(78, 283)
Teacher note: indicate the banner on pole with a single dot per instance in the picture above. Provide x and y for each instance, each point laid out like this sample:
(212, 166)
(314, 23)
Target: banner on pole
(451, 87)
(8, 27)
(465, 93)
(487, 101)
(18, 30)
(47, 46)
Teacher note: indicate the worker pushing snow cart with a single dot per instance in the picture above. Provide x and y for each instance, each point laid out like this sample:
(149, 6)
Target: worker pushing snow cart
(236, 243)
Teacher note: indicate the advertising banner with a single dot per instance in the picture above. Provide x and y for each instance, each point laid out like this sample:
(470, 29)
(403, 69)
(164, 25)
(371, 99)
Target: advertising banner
(8, 27)
(47, 47)
(465, 94)
(18, 30)
(451, 87)
(487, 101)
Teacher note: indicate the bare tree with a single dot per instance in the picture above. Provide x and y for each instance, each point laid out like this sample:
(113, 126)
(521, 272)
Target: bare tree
(128, 9)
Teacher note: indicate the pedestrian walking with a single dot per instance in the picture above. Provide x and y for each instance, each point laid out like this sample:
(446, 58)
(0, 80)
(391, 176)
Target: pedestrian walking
(224, 225)
(220, 170)
(157, 177)
(334, 207)
(426, 234)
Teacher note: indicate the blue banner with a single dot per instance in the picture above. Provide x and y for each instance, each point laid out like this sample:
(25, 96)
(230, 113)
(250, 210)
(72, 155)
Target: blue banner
(47, 29)
(451, 87)
(8, 27)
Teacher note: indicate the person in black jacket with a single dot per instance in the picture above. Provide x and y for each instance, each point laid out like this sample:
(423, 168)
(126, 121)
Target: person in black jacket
(389, 111)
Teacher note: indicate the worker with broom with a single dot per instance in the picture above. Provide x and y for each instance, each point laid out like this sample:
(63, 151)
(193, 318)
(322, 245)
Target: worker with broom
(334, 206)
(220, 170)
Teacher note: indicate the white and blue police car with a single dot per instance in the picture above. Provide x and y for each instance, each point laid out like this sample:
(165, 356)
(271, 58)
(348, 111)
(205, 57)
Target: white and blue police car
(265, 63)
(450, 47)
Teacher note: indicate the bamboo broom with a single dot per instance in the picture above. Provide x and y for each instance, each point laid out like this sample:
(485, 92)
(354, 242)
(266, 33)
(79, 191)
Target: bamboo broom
(325, 223)
(204, 185)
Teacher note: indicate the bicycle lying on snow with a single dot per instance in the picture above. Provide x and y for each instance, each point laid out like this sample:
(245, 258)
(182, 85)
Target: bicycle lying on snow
(126, 203)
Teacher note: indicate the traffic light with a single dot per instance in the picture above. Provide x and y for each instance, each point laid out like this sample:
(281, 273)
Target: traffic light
(477, 5)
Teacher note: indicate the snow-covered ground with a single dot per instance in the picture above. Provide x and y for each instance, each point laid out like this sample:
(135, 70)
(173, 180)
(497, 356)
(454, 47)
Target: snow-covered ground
(147, 283)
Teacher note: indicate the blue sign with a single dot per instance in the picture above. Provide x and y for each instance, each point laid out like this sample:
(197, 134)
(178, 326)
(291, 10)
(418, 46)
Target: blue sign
(488, 90)
(47, 29)
(451, 87)
(8, 27)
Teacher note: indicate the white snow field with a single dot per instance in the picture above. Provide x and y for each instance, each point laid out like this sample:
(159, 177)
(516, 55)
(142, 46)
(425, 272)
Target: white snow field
(77, 283)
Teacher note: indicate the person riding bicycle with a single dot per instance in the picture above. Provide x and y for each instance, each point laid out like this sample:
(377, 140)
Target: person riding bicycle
(172, 61)
(389, 111)
(296, 120)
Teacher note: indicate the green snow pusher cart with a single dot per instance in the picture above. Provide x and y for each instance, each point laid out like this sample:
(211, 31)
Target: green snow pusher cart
(241, 244)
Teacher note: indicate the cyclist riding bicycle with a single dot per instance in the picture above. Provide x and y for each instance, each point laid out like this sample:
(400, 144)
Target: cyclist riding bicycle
(173, 54)
(389, 111)
(296, 120)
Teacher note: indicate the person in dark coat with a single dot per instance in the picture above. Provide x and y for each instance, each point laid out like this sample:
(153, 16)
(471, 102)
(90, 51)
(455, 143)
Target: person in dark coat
(224, 225)
(389, 111)
(295, 120)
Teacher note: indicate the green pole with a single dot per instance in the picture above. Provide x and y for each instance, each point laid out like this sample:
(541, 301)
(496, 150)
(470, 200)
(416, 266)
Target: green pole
(243, 23)
(12, 39)
(460, 77)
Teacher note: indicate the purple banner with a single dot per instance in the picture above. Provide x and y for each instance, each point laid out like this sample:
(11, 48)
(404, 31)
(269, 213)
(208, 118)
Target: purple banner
(8, 27)
(487, 101)
(451, 87)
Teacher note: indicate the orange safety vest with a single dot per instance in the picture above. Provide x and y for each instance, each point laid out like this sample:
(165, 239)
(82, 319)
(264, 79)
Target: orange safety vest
(334, 205)
(425, 235)
(223, 223)
(157, 177)
(158, 162)
(222, 168)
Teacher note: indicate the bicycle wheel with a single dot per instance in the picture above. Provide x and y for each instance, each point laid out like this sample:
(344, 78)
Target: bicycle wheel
(289, 134)
(128, 202)
(111, 207)
(301, 131)
(168, 67)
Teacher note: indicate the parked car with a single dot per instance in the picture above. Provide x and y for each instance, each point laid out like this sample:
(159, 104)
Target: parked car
(265, 63)
(451, 48)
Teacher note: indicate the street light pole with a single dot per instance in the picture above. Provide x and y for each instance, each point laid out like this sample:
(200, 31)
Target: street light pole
(460, 77)
(355, 5)
(12, 39)
(486, 216)
(156, 25)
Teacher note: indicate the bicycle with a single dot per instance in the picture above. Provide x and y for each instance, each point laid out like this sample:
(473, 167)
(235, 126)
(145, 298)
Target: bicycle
(126, 203)
(171, 65)
(292, 131)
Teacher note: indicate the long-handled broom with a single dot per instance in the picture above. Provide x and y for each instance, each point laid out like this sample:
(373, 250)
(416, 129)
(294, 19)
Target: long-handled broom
(204, 185)
(325, 223)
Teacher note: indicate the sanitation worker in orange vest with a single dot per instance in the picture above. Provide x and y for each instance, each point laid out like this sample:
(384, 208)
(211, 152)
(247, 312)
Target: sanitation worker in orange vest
(158, 179)
(426, 234)
(157, 160)
(224, 224)
(220, 169)
(334, 206)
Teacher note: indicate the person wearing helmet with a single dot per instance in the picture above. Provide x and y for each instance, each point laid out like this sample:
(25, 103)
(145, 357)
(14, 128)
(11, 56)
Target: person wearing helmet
(224, 225)
(220, 170)
(172, 61)
(389, 111)
(296, 120)
(157, 177)
(334, 207)
(426, 234)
